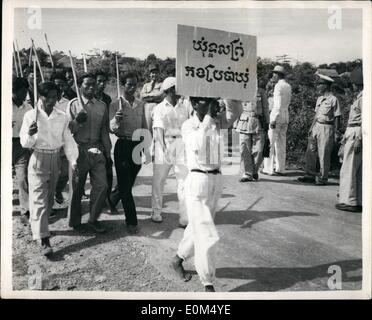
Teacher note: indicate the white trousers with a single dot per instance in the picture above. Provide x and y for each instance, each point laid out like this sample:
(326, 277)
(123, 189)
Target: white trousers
(200, 237)
(278, 142)
(160, 174)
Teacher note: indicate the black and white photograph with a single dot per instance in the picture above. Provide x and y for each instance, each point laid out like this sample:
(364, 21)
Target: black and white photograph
(186, 150)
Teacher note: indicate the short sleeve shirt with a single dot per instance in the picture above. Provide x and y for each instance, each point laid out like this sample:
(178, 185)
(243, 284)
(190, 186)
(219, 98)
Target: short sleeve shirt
(327, 108)
(355, 115)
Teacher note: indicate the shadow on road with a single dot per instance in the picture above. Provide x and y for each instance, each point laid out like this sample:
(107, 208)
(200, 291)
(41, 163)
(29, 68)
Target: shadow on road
(274, 279)
(247, 218)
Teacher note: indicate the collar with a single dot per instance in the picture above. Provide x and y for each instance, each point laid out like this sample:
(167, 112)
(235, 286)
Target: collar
(54, 111)
(85, 100)
(360, 94)
(136, 102)
(19, 107)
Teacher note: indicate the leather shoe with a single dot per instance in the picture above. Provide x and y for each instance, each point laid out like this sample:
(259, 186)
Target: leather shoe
(345, 207)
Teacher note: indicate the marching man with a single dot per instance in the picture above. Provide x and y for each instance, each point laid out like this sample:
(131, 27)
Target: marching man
(45, 129)
(203, 187)
(351, 171)
(169, 115)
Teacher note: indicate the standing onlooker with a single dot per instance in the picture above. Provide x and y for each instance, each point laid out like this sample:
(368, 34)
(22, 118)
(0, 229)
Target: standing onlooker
(89, 126)
(20, 155)
(252, 127)
(45, 136)
(350, 196)
(151, 94)
(322, 133)
(279, 119)
(168, 116)
(124, 122)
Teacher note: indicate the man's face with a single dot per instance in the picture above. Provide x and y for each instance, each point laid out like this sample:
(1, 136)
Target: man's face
(130, 86)
(88, 87)
(154, 75)
(201, 107)
(30, 78)
(50, 100)
(101, 83)
(61, 84)
(20, 95)
(275, 77)
(321, 88)
(70, 78)
(171, 92)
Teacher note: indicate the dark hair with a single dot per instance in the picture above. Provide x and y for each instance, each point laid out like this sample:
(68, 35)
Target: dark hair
(68, 69)
(58, 76)
(46, 86)
(101, 73)
(128, 75)
(19, 83)
(195, 100)
(84, 76)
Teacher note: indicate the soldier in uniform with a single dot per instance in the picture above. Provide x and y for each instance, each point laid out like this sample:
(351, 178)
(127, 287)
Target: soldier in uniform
(322, 134)
(252, 126)
(350, 195)
(151, 94)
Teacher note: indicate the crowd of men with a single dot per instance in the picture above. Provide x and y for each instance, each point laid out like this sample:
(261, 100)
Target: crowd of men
(66, 132)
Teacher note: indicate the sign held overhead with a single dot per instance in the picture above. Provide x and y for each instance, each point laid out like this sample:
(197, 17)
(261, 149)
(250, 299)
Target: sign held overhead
(215, 63)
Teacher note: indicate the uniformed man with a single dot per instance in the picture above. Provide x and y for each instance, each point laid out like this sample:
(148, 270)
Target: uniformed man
(90, 127)
(203, 187)
(151, 94)
(279, 119)
(322, 133)
(350, 195)
(252, 127)
(20, 155)
(45, 136)
(62, 103)
(101, 78)
(124, 122)
(168, 117)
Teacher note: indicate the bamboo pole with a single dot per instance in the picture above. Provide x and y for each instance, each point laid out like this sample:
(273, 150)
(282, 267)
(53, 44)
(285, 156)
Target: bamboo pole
(15, 61)
(35, 91)
(19, 60)
(75, 82)
(118, 81)
(50, 51)
(37, 60)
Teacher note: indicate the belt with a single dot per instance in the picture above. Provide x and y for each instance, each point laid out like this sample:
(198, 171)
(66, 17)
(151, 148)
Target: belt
(16, 139)
(354, 125)
(47, 151)
(215, 171)
(325, 122)
(125, 138)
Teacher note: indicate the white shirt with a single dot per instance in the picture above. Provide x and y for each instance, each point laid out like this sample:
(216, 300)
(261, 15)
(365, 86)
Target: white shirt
(203, 143)
(62, 104)
(17, 117)
(282, 99)
(53, 132)
(170, 118)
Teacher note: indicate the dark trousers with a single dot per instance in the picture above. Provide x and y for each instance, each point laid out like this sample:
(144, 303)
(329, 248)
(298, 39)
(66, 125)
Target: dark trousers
(126, 171)
(95, 165)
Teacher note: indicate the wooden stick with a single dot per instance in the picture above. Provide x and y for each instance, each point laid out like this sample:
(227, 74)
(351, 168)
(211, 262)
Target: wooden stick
(15, 61)
(50, 51)
(19, 60)
(37, 60)
(85, 63)
(30, 57)
(35, 91)
(75, 81)
(118, 81)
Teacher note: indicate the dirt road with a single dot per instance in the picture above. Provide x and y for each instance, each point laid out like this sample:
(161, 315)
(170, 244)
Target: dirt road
(276, 235)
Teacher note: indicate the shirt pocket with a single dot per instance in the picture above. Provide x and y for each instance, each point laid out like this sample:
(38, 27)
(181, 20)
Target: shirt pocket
(326, 108)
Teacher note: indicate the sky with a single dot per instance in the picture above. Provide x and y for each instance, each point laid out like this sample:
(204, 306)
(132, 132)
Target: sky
(301, 33)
